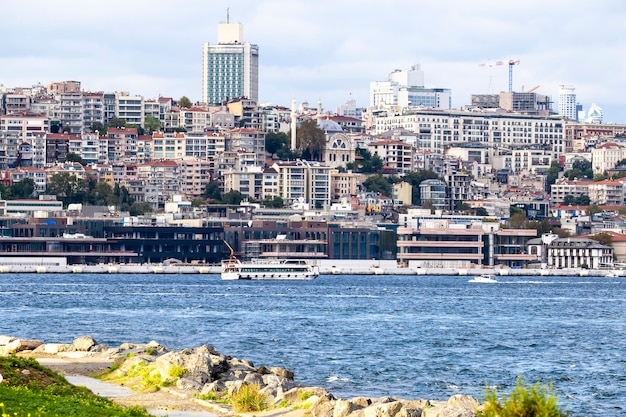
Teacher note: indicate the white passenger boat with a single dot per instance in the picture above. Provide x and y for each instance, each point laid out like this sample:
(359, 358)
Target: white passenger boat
(268, 269)
(486, 279)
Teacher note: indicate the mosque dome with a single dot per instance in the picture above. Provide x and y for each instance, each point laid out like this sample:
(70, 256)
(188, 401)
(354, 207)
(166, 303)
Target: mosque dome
(329, 126)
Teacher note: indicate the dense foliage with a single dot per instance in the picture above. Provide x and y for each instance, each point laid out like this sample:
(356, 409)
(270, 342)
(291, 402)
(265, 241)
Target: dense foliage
(29, 389)
(533, 401)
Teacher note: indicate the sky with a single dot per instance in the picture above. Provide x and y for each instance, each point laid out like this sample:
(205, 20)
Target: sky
(324, 50)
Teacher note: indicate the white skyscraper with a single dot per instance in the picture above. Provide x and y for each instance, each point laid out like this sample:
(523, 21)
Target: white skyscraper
(230, 68)
(567, 102)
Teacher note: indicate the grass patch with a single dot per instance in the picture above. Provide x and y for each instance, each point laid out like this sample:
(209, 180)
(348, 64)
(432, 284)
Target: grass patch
(176, 371)
(140, 376)
(534, 400)
(29, 389)
(249, 398)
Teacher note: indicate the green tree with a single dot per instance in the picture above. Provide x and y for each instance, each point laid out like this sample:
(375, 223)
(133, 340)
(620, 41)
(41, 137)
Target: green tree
(68, 188)
(72, 157)
(274, 141)
(481, 211)
(137, 209)
(273, 202)
(116, 123)
(22, 189)
(552, 173)
(212, 191)
(517, 221)
(582, 200)
(151, 124)
(100, 194)
(232, 197)
(599, 177)
(184, 103)
(378, 184)
(569, 200)
(98, 127)
(515, 210)
(311, 140)
(198, 202)
(593, 209)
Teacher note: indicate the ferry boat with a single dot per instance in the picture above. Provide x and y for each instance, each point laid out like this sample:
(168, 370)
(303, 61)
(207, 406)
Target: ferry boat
(267, 269)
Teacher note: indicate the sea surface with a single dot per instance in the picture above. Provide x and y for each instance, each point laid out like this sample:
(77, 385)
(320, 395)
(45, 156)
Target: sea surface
(405, 336)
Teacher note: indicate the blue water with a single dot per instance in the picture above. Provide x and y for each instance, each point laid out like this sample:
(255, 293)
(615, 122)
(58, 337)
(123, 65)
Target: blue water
(411, 337)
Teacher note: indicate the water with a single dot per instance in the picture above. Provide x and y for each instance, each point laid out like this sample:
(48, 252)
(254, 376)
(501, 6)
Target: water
(411, 337)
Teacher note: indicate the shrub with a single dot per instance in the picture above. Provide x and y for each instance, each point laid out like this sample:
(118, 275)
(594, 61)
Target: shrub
(533, 401)
(249, 398)
(176, 371)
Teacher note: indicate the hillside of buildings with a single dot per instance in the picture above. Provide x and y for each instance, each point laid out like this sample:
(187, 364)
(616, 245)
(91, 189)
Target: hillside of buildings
(147, 180)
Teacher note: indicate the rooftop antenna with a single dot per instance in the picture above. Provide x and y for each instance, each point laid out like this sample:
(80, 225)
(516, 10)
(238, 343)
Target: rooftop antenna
(228, 15)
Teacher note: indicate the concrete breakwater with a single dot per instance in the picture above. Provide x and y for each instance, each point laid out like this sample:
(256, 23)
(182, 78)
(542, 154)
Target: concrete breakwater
(326, 267)
(201, 371)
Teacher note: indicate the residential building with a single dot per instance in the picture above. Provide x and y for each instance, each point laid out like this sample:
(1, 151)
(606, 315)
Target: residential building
(168, 145)
(304, 182)
(247, 140)
(607, 192)
(606, 156)
(122, 144)
(93, 110)
(129, 108)
(230, 68)
(397, 156)
(564, 187)
(433, 193)
(160, 182)
(195, 120)
(194, 175)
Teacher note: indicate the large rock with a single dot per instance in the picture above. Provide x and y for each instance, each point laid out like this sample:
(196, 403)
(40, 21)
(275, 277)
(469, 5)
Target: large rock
(324, 406)
(345, 407)
(19, 345)
(466, 401)
(447, 410)
(387, 409)
(84, 343)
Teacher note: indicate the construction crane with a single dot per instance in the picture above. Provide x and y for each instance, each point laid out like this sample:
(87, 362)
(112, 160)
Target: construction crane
(510, 63)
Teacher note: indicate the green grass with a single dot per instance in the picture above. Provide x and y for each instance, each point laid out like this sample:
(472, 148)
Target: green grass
(533, 401)
(249, 398)
(29, 389)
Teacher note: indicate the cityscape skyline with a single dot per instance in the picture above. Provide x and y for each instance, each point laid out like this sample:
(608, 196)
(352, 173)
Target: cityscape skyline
(324, 51)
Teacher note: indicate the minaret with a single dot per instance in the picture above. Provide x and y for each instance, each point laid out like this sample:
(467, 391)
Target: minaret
(319, 108)
(293, 124)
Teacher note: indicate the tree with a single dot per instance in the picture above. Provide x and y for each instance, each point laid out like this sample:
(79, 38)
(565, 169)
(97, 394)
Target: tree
(98, 127)
(68, 188)
(552, 173)
(481, 211)
(274, 141)
(72, 157)
(23, 189)
(151, 124)
(198, 202)
(311, 140)
(517, 221)
(582, 200)
(100, 194)
(212, 191)
(274, 202)
(232, 197)
(603, 238)
(378, 184)
(569, 200)
(137, 209)
(116, 123)
(184, 103)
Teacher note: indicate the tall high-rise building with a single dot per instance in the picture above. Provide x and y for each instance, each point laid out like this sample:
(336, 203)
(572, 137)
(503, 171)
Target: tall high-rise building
(567, 102)
(230, 68)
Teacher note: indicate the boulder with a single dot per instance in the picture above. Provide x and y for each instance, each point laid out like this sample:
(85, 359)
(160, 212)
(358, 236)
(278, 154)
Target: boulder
(19, 345)
(385, 409)
(5, 340)
(466, 401)
(215, 386)
(345, 407)
(54, 348)
(188, 384)
(295, 394)
(84, 343)
(253, 379)
(324, 406)
(282, 372)
(446, 410)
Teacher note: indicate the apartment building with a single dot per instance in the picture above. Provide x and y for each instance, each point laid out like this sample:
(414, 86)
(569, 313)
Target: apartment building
(305, 182)
(129, 108)
(195, 120)
(395, 154)
(168, 145)
(606, 156)
(248, 180)
(440, 129)
(19, 132)
(93, 110)
(160, 182)
(122, 145)
(194, 174)
(607, 192)
(564, 187)
(247, 140)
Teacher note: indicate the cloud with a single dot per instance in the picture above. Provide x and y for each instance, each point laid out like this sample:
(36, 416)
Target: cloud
(324, 49)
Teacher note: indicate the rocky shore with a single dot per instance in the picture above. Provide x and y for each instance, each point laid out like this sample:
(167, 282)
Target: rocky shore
(192, 376)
